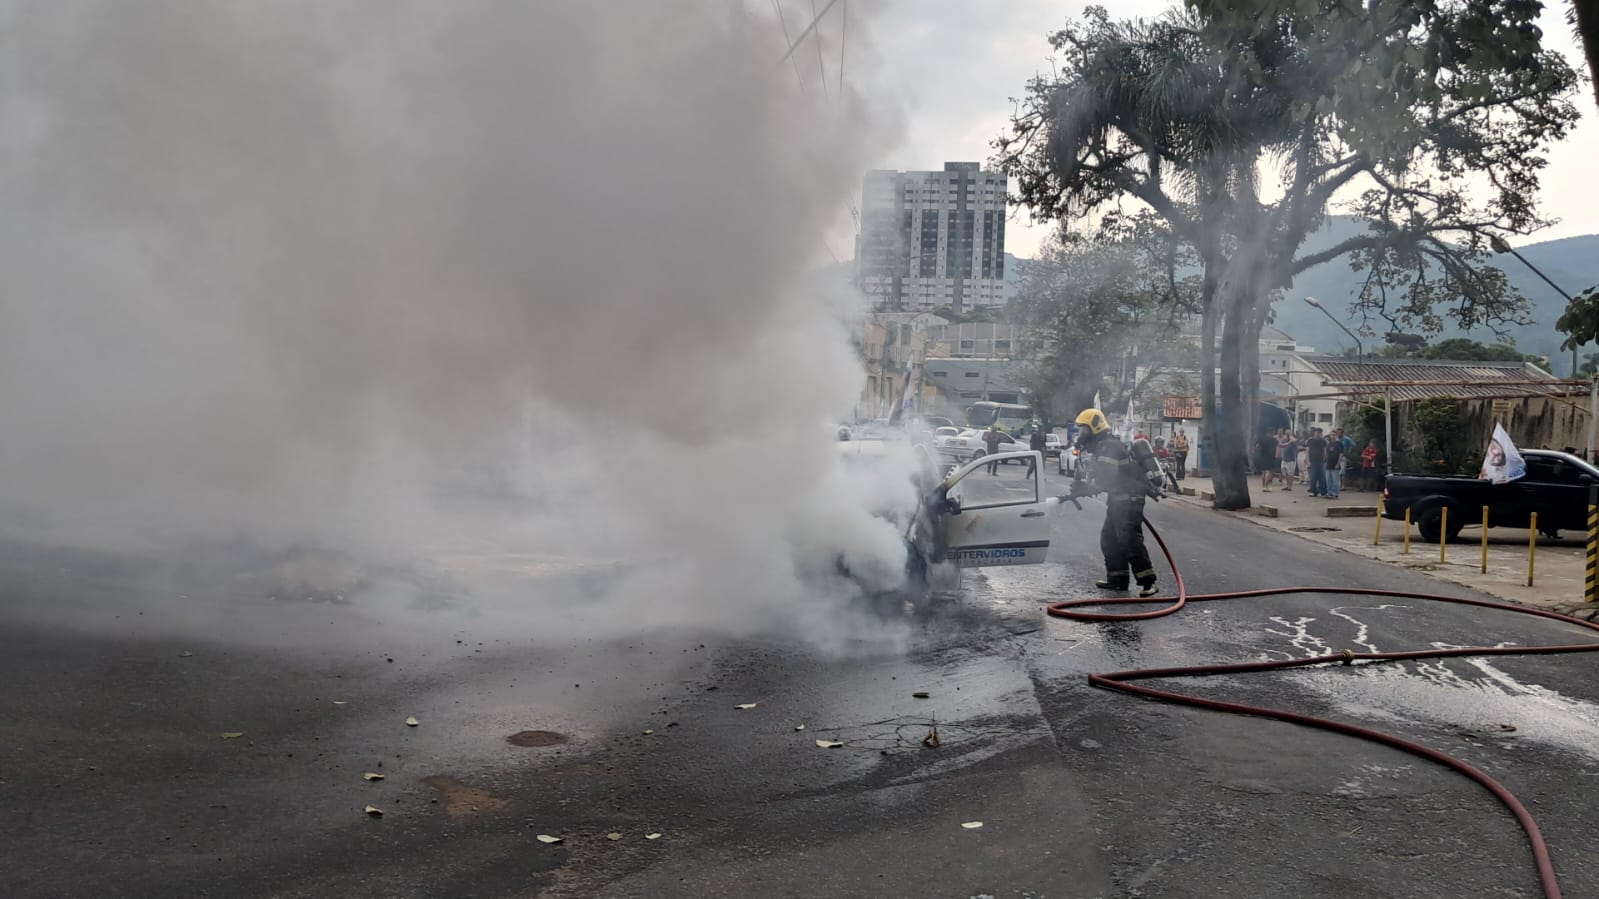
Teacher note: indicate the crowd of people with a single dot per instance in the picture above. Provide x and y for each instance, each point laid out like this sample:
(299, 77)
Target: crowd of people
(1326, 461)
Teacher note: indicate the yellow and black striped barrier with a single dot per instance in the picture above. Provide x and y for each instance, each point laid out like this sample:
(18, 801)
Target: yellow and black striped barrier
(1588, 583)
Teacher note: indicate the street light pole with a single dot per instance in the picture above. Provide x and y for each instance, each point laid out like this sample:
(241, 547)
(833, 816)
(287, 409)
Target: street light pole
(1360, 348)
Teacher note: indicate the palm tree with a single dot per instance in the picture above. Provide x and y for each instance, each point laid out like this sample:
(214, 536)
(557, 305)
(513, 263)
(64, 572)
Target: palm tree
(1584, 17)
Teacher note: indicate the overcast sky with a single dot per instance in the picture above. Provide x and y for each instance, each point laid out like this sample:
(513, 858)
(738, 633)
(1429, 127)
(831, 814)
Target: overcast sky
(953, 64)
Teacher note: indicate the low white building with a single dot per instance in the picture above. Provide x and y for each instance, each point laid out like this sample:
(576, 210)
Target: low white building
(1319, 390)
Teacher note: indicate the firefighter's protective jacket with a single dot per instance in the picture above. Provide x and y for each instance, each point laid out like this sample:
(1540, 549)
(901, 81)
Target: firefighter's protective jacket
(1120, 471)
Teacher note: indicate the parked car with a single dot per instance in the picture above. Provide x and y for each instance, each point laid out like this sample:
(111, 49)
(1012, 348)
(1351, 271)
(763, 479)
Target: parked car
(1053, 446)
(967, 445)
(1066, 463)
(1556, 487)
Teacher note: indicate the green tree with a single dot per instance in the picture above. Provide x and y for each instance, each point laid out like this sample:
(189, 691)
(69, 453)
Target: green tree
(1439, 437)
(1398, 103)
(1463, 350)
(1101, 310)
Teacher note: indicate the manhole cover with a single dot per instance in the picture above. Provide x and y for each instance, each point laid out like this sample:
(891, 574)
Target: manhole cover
(1313, 530)
(534, 739)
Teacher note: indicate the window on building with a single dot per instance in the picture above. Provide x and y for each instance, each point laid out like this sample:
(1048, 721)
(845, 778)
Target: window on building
(940, 374)
(967, 344)
(1001, 345)
(971, 374)
(1324, 416)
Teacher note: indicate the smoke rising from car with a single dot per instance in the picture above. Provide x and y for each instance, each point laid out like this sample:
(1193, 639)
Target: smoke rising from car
(482, 286)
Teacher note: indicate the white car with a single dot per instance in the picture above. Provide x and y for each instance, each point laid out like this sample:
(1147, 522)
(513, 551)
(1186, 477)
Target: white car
(968, 445)
(972, 523)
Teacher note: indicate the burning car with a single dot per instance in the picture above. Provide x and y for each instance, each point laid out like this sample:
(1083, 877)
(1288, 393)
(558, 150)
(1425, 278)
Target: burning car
(964, 519)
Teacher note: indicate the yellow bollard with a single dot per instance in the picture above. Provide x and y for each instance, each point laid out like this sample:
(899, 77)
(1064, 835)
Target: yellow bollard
(1376, 537)
(1443, 534)
(1484, 539)
(1590, 583)
(1532, 546)
(1407, 532)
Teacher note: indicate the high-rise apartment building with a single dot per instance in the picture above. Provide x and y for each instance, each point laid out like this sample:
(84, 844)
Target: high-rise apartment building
(931, 239)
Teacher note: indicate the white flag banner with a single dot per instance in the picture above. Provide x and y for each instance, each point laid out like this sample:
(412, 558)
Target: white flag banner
(907, 401)
(1502, 462)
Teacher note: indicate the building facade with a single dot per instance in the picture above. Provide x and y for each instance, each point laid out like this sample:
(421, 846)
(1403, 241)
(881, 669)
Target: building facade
(890, 345)
(931, 239)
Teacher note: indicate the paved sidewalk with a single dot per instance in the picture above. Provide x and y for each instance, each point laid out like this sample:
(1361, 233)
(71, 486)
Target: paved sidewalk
(1559, 566)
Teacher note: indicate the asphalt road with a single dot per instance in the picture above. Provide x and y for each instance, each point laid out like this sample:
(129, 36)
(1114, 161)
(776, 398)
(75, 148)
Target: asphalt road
(115, 779)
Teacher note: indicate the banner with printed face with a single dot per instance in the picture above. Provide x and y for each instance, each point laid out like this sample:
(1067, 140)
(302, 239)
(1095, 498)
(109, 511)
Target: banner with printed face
(1502, 462)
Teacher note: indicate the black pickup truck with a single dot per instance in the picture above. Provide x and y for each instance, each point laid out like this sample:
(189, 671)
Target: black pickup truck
(1556, 487)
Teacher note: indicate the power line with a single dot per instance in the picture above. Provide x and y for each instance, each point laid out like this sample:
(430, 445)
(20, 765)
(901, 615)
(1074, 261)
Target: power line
(821, 67)
(843, 29)
(781, 20)
(808, 29)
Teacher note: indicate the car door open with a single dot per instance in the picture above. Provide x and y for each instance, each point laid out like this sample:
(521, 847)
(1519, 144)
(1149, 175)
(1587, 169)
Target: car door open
(996, 519)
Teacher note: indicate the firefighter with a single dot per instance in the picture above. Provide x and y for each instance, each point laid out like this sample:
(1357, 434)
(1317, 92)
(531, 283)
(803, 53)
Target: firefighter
(1125, 474)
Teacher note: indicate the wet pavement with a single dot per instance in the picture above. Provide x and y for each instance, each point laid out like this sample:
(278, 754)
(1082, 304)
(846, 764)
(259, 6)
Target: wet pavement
(137, 764)
(1556, 566)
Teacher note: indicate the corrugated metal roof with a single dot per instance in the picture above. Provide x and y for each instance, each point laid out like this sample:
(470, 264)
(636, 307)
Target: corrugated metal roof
(1470, 379)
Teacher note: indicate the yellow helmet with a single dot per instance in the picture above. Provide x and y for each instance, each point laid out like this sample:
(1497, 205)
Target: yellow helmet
(1093, 421)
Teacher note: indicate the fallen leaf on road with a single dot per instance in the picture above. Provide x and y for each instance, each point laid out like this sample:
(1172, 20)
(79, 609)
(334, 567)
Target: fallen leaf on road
(652, 836)
(374, 811)
(232, 735)
(747, 705)
(1507, 728)
(338, 702)
(972, 825)
(613, 835)
(546, 838)
(921, 694)
(648, 732)
(799, 727)
(185, 654)
(411, 721)
(829, 744)
(371, 776)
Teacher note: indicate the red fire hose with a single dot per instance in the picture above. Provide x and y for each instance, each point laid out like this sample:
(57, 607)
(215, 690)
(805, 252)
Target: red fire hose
(1121, 680)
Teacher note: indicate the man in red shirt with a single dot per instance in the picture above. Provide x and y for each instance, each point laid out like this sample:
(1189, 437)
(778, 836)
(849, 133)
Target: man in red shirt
(1368, 462)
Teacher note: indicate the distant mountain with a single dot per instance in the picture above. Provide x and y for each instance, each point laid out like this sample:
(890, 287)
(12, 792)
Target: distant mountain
(1572, 263)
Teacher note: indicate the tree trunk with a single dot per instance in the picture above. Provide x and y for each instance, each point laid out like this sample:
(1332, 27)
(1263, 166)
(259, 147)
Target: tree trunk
(1230, 475)
(1207, 369)
(1251, 372)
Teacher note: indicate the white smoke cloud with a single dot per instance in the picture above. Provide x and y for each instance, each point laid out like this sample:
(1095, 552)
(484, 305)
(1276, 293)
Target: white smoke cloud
(295, 272)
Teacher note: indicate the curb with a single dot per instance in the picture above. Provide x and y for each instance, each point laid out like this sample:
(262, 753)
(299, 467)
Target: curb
(1579, 610)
